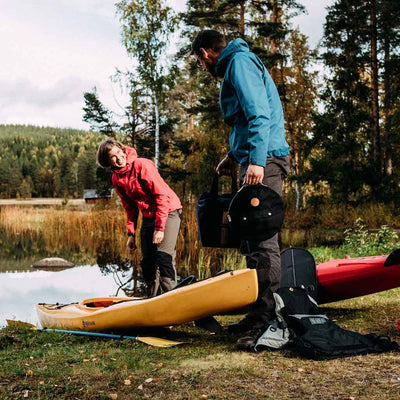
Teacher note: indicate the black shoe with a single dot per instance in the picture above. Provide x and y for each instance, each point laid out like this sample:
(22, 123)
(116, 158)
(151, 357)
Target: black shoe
(248, 341)
(245, 325)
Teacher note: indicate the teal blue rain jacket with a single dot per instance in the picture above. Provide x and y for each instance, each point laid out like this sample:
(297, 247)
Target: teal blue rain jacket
(250, 105)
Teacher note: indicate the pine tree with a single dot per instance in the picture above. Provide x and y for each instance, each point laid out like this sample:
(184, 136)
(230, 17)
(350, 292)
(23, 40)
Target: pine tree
(355, 133)
(342, 137)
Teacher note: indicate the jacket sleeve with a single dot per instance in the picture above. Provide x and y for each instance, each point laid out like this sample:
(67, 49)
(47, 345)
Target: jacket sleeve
(131, 209)
(156, 186)
(247, 80)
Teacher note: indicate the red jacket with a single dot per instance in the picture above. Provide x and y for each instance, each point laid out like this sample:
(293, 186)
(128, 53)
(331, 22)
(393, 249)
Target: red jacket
(141, 187)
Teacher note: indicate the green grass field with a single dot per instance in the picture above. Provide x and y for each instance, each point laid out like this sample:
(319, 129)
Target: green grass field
(41, 365)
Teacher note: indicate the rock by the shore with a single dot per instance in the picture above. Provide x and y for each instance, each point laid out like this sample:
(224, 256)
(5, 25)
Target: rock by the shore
(53, 264)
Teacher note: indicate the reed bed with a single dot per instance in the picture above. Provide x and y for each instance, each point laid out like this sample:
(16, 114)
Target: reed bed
(102, 233)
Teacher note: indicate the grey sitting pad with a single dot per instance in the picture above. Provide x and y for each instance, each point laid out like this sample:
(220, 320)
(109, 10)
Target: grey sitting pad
(53, 264)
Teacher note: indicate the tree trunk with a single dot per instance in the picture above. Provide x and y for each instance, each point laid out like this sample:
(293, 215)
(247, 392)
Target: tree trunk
(157, 132)
(275, 17)
(388, 170)
(241, 27)
(375, 89)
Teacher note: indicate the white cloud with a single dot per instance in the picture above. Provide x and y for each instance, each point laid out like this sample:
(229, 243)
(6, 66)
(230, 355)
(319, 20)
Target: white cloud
(24, 92)
(51, 53)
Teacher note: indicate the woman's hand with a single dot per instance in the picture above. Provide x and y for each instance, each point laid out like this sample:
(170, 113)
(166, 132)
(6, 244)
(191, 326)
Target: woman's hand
(131, 244)
(158, 237)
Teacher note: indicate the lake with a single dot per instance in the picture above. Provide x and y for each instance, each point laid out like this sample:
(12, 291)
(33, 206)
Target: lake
(21, 290)
(98, 271)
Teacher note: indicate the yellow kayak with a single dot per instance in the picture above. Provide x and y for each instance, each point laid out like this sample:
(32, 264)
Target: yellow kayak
(213, 296)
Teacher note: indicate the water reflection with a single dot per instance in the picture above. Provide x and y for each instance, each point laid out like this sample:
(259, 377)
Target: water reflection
(20, 291)
(102, 272)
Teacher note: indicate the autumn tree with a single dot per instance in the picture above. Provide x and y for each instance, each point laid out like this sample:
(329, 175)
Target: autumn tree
(146, 27)
(299, 101)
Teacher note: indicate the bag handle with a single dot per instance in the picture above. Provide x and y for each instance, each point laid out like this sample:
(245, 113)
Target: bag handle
(234, 184)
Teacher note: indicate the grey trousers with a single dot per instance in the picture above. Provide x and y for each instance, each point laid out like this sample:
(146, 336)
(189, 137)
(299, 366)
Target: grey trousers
(158, 260)
(265, 256)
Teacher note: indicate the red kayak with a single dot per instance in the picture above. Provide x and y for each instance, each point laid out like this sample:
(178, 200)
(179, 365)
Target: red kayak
(353, 277)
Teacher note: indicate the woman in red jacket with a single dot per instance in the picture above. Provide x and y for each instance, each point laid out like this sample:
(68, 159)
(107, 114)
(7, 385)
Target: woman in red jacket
(140, 187)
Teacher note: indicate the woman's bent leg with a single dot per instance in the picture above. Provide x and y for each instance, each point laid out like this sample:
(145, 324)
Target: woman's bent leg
(165, 255)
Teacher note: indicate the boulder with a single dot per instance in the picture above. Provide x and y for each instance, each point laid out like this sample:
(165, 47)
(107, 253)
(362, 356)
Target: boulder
(53, 264)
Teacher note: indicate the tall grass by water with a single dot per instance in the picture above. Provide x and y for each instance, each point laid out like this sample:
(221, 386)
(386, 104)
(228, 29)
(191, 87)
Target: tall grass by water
(97, 234)
(101, 232)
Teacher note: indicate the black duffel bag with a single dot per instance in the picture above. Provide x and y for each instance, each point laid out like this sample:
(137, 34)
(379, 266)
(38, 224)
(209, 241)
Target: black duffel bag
(214, 229)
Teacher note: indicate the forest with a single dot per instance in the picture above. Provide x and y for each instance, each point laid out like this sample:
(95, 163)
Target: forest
(48, 162)
(341, 104)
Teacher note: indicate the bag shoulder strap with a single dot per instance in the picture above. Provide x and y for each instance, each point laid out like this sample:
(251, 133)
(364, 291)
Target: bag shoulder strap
(214, 184)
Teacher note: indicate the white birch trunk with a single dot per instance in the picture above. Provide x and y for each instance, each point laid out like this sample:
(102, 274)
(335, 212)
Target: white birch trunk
(157, 133)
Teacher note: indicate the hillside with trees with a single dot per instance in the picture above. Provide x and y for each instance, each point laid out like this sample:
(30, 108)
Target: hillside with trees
(48, 162)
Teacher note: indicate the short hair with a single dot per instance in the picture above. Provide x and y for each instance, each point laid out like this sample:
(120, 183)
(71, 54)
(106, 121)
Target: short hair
(208, 39)
(105, 147)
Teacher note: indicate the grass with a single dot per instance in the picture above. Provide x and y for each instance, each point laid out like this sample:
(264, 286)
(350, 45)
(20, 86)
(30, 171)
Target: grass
(41, 365)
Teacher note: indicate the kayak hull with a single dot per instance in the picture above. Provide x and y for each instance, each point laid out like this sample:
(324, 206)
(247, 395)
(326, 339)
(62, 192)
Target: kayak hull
(353, 277)
(221, 294)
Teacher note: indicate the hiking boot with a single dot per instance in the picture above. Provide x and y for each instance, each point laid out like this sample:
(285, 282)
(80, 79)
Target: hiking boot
(248, 341)
(245, 325)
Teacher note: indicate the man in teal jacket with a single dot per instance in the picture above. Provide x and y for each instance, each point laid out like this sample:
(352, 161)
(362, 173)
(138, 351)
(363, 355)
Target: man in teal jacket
(251, 106)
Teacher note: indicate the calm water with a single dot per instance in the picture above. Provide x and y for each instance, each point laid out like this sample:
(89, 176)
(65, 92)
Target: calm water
(96, 274)
(21, 290)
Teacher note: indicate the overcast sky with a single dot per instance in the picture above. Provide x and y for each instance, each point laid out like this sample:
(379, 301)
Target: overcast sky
(52, 51)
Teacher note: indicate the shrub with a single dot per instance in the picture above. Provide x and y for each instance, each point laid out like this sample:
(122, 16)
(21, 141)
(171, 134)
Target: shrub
(361, 242)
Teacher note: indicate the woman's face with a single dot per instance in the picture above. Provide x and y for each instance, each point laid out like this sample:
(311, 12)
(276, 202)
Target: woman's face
(117, 157)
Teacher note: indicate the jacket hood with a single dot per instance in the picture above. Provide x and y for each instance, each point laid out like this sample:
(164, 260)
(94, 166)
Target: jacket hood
(235, 46)
(131, 156)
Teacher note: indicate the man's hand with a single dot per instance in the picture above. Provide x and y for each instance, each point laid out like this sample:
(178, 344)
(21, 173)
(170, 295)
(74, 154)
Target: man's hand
(131, 244)
(158, 237)
(225, 167)
(254, 174)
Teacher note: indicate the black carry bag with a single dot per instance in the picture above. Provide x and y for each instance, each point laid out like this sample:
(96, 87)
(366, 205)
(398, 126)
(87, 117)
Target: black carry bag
(211, 212)
(299, 270)
(316, 336)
